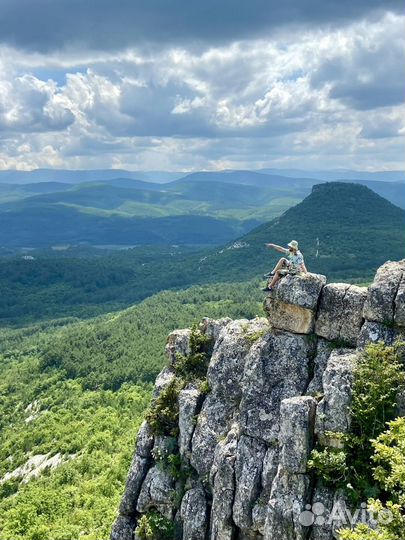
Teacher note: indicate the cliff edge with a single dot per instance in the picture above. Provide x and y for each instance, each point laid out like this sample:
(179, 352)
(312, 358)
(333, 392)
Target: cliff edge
(226, 458)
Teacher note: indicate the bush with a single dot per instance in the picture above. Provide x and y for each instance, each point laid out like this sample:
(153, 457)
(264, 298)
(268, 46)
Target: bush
(154, 526)
(163, 416)
(389, 456)
(378, 378)
(195, 364)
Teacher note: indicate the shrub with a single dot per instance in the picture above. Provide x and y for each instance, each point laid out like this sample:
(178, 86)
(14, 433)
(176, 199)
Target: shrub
(163, 416)
(378, 378)
(154, 526)
(329, 464)
(389, 456)
(195, 364)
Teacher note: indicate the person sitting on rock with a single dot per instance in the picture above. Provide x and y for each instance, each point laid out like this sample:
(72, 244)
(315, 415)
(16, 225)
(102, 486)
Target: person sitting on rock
(293, 265)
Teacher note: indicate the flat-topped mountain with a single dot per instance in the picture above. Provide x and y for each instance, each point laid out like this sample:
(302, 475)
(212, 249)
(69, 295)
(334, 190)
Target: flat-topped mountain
(340, 227)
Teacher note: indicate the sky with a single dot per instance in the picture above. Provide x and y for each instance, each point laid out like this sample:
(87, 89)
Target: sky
(202, 84)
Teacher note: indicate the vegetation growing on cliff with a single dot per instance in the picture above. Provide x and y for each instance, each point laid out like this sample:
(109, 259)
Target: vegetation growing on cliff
(378, 378)
(92, 382)
(389, 472)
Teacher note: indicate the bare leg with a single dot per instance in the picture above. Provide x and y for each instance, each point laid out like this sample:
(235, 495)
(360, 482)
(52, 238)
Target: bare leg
(276, 278)
(281, 263)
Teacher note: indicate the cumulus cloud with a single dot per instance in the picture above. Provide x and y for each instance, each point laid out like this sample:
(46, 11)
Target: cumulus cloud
(372, 72)
(322, 97)
(30, 105)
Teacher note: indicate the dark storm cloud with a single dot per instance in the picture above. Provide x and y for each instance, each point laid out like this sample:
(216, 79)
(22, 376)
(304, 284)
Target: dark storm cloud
(44, 25)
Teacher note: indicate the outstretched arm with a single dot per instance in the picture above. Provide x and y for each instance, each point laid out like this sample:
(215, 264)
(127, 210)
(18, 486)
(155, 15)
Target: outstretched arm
(277, 248)
(303, 268)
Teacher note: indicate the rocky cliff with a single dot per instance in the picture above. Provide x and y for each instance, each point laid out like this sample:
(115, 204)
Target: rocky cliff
(241, 442)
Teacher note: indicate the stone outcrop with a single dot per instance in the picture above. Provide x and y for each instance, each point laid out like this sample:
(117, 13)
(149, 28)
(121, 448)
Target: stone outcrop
(340, 313)
(292, 306)
(275, 385)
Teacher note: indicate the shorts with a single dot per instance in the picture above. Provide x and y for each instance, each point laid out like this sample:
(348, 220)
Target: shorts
(286, 271)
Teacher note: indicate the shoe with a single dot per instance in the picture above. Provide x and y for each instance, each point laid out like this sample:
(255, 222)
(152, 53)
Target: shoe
(267, 289)
(268, 275)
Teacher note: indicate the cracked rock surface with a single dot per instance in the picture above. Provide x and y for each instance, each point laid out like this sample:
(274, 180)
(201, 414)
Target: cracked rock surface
(276, 385)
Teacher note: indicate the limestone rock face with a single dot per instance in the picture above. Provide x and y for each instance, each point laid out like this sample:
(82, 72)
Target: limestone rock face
(296, 434)
(292, 305)
(224, 377)
(157, 492)
(194, 514)
(380, 302)
(248, 471)
(289, 317)
(222, 479)
(323, 352)
(189, 399)
(178, 342)
(340, 313)
(124, 526)
(238, 467)
(374, 332)
(276, 368)
(301, 290)
(212, 328)
(333, 410)
(399, 317)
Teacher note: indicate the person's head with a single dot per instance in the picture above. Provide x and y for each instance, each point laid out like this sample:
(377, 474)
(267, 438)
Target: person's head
(293, 246)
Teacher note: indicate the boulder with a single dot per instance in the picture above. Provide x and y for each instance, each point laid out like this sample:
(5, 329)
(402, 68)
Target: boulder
(292, 305)
(340, 312)
(380, 302)
(302, 290)
(289, 317)
(374, 332)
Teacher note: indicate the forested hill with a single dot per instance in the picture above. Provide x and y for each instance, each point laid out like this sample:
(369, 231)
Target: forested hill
(76, 394)
(344, 230)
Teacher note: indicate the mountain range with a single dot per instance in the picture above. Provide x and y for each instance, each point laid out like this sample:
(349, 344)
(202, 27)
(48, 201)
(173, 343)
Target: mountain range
(91, 175)
(344, 230)
(202, 208)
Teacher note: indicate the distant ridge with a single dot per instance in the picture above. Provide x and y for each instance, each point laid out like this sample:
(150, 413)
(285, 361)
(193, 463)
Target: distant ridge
(339, 174)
